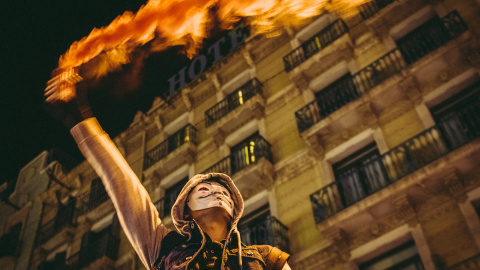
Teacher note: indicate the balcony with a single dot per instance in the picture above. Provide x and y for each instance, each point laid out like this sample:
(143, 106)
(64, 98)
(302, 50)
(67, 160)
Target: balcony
(368, 9)
(55, 232)
(100, 253)
(188, 134)
(245, 103)
(59, 229)
(95, 199)
(250, 166)
(411, 48)
(331, 33)
(162, 210)
(471, 263)
(269, 231)
(165, 204)
(350, 187)
(58, 263)
(316, 43)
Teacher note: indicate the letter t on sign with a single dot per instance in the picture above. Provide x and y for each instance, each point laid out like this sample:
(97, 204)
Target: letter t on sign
(238, 36)
(216, 49)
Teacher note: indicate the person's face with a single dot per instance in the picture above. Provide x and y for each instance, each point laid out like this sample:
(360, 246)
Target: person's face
(210, 194)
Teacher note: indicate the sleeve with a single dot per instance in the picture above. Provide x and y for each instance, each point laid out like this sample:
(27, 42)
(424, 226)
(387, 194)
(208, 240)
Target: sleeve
(135, 210)
(276, 259)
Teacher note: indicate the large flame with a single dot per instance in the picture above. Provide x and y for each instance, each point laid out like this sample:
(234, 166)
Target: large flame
(185, 22)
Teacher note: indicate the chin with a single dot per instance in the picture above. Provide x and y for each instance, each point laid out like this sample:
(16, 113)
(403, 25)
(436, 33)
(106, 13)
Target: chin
(213, 212)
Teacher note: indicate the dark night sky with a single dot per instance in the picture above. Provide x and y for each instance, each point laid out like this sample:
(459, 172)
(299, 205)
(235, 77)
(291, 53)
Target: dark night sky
(35, 34)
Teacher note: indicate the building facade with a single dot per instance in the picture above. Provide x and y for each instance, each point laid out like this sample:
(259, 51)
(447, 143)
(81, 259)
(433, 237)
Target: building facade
(22, 211)
(354, 141)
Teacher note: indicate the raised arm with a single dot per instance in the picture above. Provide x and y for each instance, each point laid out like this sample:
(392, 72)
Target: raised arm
(135, 210)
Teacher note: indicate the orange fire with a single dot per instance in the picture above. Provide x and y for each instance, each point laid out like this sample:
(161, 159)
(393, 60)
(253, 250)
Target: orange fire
(186, 22)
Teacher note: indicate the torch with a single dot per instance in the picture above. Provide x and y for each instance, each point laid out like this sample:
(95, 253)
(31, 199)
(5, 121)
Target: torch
(61, 87)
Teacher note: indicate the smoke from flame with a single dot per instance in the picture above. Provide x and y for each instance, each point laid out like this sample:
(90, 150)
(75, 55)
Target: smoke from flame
(185, 22)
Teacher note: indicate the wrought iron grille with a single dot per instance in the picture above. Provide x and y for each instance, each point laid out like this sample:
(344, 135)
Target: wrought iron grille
(101, 244)
(173, 142)
(233, 101)
(249, 152)
(269, 231)
(471, 263)
(410, 49)
(66, 215)
(458, 129)
(243, 155)
(310, 47)
(430, 36)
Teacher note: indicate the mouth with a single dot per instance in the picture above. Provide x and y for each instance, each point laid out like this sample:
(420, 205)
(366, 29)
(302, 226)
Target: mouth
(219, 197)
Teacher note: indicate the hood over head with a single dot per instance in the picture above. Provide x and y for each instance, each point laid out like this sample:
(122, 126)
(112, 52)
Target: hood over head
(178, 208)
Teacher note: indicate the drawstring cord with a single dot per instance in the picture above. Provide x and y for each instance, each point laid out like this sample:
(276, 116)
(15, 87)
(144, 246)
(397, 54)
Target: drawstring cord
(239, 248)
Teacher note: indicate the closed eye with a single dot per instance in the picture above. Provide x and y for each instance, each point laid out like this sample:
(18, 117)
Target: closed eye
(203, 188)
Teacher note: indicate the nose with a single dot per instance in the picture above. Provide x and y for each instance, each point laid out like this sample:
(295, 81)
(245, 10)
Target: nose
(216, 190)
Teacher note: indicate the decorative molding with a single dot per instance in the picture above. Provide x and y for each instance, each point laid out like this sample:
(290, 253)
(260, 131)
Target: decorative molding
(340, 243)
(316, 145)
(409, 85)
(215, 81)
(248, 57)
(282, 98)
(471, 53)
(186, 98)
(406, 210)
(299, 163)
(455, 186)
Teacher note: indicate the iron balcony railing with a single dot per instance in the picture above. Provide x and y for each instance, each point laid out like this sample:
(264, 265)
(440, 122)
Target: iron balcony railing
(472, 263)
(66, 216)
(173, 142)
(233, 101)
(354, 185)
(310, 47)
(58, 263)
(51, 228)
(107, 245)
(223, 166)
(430, 36)
(165, 204)
(366, 11)
(383, 68)
(249, 152)
(269, 231)
(92, 199)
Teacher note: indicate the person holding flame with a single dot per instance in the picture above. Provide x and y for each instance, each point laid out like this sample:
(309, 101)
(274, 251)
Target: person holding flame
(205, 214)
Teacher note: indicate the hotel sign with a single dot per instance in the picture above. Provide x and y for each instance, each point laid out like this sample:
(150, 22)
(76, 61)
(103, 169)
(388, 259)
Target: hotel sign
(210, 56)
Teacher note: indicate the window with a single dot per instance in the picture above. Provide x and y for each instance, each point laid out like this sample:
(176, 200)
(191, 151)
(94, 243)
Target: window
(253, 227)
(98, 194)
(458, 117)
(423, 40)
(171, 195)
(58, 263)
(65, 214)
(96, 245)
(249, 151)
(404, 257)
(336, 95)
(360, 175)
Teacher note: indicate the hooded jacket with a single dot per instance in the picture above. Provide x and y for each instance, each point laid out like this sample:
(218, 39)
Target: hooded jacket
(156, 245)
